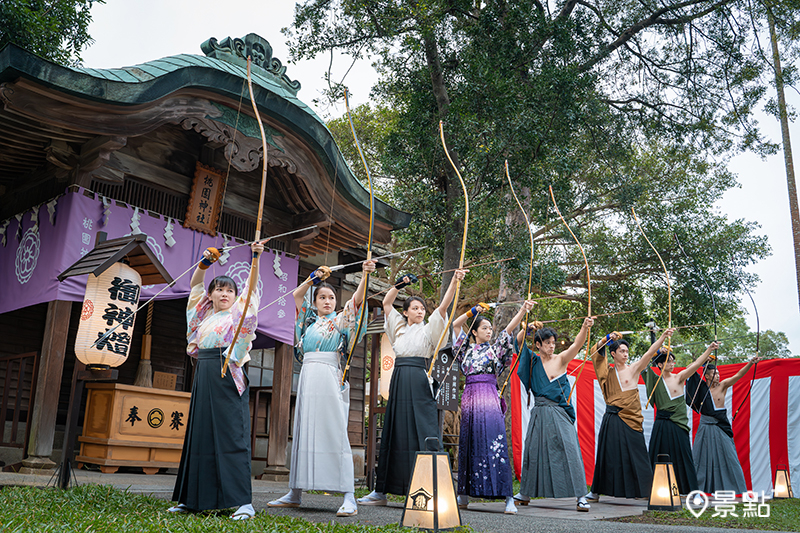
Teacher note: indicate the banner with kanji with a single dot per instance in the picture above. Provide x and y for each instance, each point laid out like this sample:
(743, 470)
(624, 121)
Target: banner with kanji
(40, 243)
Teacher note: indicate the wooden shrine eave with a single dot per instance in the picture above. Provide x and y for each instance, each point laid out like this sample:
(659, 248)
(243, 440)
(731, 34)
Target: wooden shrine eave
(132, 249)
(81, 125)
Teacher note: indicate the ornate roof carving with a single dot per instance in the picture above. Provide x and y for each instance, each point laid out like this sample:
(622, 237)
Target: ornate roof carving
(236, 51)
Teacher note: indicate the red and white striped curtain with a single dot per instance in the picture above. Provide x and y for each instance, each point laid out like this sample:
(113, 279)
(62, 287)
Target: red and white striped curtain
(766, 429)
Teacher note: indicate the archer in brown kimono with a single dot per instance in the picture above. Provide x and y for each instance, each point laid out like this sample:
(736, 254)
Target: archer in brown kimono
(622, 467)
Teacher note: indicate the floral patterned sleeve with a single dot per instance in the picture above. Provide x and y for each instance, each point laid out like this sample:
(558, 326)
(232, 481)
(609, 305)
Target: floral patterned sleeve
(241, 352)
(301, 322)
(197, 309)
(505, 346)
(458, 345)
(347, 322)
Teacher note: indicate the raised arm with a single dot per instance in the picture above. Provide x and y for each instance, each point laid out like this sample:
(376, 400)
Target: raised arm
(528, 329)
(684, 374)
(570, 353)
(521, 334)
(315, 278)
(210, 256)
(640, 365)
(391, 295)
(458, 275)
(605, 341)
(725, 383)
(366, 268)
(527, 306)
(476, 310)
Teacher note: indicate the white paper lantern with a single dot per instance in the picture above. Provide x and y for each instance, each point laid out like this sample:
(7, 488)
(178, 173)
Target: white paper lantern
(387, 366)
(111, 301)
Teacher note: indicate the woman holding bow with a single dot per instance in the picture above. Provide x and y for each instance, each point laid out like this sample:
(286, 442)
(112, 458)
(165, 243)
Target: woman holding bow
(321, 454)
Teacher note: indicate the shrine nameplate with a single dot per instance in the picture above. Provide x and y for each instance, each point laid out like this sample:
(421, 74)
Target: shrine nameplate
(205, 200)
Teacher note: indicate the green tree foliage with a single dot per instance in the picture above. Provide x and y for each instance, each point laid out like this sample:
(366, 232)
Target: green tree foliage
(613, 103)
(737, 344)
(53, 29)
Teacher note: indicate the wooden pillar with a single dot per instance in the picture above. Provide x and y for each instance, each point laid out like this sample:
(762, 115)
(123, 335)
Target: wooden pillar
(279, 414)
(372, 435)
(48, 385)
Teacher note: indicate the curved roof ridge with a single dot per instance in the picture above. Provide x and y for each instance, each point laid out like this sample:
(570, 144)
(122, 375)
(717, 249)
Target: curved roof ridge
(153, 80)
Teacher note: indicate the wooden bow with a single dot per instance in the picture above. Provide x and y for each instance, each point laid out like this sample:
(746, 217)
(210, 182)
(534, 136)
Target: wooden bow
(530, 272)
(254, 266)
(463, 247)
(758, 346)
(588, 286)
(362, 316)
(713, 302)
(669, 299)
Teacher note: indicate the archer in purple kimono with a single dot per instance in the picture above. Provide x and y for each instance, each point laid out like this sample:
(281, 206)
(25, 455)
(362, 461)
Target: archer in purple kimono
(484, 469)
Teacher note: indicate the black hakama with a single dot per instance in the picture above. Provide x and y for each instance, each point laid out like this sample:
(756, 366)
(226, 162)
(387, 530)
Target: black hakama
(622, 467)
(215, 469)
(668, 438)
(411, 416)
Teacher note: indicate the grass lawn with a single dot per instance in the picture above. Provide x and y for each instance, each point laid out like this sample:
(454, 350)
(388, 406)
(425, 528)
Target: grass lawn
(784, 516)
(99, 508)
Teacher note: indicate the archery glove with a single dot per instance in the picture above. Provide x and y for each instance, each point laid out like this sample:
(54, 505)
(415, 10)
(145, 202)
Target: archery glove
(207, 262)
(401, 282)
(319, 275)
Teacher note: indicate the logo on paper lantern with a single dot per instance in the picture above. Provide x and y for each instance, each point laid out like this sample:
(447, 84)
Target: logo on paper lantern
(87, 310)
(107, 317)
(388, 362)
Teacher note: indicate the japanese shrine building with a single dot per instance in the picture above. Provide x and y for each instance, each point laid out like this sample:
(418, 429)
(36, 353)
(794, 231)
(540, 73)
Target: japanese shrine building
(171, 149)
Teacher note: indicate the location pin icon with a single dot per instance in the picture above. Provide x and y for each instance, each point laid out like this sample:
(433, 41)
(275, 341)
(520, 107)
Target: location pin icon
(697, 502)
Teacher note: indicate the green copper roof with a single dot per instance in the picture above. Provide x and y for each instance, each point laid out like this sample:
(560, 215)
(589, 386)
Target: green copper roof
(222, 70)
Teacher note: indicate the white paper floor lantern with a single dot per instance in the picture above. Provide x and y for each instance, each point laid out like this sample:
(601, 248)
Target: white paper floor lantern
(110, 302)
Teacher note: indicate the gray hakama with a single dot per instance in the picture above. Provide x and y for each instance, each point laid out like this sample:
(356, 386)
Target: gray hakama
(321, 454)
(715, 458)
(552, 465)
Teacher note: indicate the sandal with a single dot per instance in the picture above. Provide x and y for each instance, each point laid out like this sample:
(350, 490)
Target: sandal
(179, 509)
(280, 502)
(344, 510)
(583, 507)
(520, 500)
(462, 501)
(245, 512)
(369, 499)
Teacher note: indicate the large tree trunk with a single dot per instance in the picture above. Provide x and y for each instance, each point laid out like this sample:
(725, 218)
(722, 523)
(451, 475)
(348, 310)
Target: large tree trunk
(512, 291)
(452, 187)
(787, 147)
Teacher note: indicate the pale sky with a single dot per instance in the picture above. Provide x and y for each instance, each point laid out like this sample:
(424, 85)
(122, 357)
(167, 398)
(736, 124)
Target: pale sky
(130, 32)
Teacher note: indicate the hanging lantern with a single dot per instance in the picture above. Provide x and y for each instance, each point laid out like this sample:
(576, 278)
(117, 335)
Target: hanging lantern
(431, 500)
(783, 485)
(387, 366)
(107, 317)
(664, 496)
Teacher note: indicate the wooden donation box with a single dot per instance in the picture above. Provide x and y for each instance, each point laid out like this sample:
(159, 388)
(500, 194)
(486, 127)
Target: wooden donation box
(133, 426)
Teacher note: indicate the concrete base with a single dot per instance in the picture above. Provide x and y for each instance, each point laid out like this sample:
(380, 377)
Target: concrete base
(275, 473)
(37, 465)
